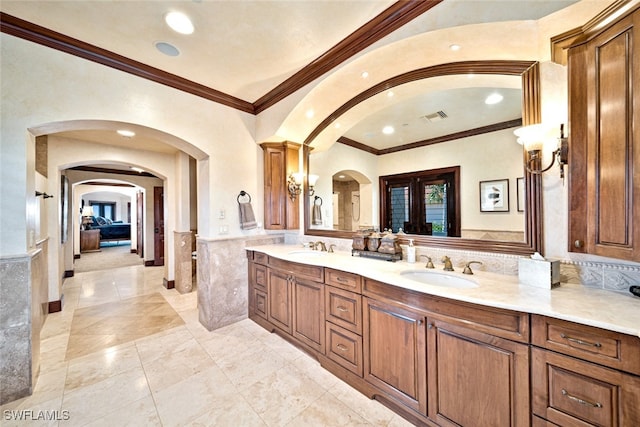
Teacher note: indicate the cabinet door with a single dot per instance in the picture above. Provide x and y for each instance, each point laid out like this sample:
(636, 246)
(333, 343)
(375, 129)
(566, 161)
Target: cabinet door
(308, 313)
(279, 300)
(604, 195)
(395, 352)
(476, 378)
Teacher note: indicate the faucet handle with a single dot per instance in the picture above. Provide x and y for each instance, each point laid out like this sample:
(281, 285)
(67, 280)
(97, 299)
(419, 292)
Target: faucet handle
(429, 262)
(467, 267)
(331, 248)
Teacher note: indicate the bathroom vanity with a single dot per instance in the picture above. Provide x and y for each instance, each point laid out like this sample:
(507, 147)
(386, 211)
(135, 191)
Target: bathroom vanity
(460, 350)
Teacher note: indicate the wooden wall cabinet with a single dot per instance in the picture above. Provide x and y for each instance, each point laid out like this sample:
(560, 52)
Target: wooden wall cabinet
(281, 159)
(604, 151)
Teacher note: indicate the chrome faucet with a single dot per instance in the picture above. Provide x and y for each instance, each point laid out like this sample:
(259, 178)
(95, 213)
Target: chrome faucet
(429, 262)
(447, 263)
(467, 267)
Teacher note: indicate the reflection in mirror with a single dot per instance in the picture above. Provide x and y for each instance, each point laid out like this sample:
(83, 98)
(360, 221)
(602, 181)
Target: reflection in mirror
(464, 131)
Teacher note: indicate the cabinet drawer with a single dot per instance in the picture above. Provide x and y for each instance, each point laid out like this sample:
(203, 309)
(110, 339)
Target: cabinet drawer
(260, 299)
(607, 348)
(344, 347)
(340, 279)
(344, 308)
(311, 272)
(260, 276)
(260, 258)
(568, 391)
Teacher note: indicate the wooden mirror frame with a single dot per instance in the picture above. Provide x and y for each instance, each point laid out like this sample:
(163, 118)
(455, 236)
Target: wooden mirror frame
(531, 113)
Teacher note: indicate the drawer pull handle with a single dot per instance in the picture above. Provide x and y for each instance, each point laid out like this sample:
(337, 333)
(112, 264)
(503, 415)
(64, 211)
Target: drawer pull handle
(341, 347)
(341, 280)
(581, 401)
(581, 342)
(342, 308)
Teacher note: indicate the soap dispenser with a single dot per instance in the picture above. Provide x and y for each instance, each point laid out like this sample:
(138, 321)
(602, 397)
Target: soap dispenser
(411, 252)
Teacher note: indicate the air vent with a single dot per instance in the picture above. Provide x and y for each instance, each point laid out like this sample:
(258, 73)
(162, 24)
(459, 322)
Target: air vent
(435, 117)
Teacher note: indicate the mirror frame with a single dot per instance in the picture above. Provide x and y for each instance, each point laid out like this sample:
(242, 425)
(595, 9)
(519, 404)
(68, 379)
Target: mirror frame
(531, 113)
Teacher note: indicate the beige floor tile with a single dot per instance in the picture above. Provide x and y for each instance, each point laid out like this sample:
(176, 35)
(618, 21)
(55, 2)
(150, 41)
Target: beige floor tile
(89, 403)
(282, 396)
(328, 411)
(187, 400)
(369, 409)
(161, 345)
(310, 367)
(230, 410)
(101, 365)
(251, 365)
(141, 413)
(186, 359)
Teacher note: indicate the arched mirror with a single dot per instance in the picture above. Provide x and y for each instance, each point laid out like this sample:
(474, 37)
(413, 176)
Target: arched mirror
(439, 125)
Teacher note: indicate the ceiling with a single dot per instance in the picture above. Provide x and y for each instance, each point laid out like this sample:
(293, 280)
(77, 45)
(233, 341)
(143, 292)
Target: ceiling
(247, 48)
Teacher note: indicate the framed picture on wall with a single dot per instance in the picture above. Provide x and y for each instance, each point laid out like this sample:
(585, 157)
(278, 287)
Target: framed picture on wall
(520, 193)
(494, 196)
(64, 209)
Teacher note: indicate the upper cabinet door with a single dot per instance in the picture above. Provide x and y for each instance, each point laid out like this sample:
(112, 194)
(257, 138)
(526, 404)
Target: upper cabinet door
(281, 211)
(604, 178)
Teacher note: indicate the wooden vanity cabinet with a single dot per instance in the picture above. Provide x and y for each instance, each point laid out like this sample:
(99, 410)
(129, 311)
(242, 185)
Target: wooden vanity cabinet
(343, 313)
(281, 159)
(257, 285)
(395, 348)
(604, 142)
(584, 376)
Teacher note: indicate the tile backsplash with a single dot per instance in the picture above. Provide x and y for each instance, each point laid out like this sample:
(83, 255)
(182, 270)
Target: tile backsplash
(617, 277)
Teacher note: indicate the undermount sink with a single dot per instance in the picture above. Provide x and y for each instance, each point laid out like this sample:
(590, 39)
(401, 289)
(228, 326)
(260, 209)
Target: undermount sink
(439, 279)
(307, 252)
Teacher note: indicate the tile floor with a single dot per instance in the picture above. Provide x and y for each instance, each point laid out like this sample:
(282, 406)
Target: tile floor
(168, 370)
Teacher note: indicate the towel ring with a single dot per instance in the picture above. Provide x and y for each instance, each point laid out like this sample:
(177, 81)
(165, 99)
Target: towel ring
(315, 200)
(243, 194)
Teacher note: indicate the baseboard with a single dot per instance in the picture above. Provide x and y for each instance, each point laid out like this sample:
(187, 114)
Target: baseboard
(76, 256)
(56, 306)
(169, 284)
(68, 273)
(148, 263)
(134, 251)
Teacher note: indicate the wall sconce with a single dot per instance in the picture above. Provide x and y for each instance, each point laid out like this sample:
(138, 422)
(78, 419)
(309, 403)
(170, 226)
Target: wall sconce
(294, 185)
(312, 183)
(44, 195)
(533, 138)
(87, 213)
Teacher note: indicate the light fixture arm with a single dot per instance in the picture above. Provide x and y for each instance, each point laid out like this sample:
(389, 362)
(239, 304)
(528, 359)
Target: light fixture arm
(294, 187)
(560, 155)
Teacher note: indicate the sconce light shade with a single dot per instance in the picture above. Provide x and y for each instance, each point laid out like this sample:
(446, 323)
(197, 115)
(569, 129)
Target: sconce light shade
(533, 137)
(312, 183)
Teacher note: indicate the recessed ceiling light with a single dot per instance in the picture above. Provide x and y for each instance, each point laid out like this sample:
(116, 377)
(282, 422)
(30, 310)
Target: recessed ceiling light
(454, 47)
(494, 98)
(136, 169)
(388, 130)
(341, 176)
(309, 113)
(179, 22)
(126, 133)
(390, 94)
(337, 125)
(167, 48)
(364, 74)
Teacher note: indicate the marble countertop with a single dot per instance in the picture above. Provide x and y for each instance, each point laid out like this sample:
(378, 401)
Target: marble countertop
(594, 307)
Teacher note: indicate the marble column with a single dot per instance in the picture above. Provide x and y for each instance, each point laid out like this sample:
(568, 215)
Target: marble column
(223, 278)
(183, 246)
(22, 288)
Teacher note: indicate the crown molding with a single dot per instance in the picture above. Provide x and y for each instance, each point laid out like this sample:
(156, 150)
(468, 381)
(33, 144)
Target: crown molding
(383, 24)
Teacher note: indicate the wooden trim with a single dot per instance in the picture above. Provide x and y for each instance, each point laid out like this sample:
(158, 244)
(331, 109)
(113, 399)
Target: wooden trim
(510, 68)
(55, 306)
(385, 23)
(444, 138)
(133, 251)
(149, 263)
(562, 42)
(113, 171)
(382, 25)
(68, 273)
(76, 256)
(169, 284)
(46, 37)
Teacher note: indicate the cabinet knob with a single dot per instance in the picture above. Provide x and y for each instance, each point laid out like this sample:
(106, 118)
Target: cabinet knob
(578, 243)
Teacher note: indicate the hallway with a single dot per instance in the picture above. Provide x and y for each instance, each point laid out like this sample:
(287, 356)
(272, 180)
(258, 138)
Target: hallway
(126, 351)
